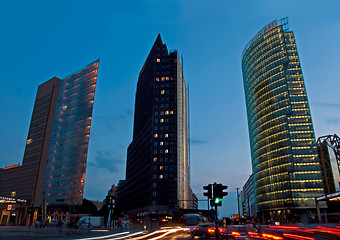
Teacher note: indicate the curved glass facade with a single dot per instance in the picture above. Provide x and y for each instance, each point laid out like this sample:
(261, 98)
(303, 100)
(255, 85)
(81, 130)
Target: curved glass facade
(284, 156)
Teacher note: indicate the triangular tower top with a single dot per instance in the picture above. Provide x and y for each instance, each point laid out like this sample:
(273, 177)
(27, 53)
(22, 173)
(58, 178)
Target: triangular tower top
(158, 41)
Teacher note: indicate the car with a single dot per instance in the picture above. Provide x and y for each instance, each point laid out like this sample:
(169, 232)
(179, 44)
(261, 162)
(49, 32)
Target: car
(203, 229)
(239, 232)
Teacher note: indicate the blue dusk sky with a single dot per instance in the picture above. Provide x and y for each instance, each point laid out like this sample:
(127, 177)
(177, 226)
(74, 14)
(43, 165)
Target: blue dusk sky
(42, 39)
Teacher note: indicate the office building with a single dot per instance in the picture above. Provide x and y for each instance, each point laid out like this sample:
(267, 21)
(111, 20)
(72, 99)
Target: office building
(285, 164)
(53, 168)
(249, 200)
(157, 172)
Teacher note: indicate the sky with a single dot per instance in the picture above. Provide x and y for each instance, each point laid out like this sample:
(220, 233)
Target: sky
(43, 39)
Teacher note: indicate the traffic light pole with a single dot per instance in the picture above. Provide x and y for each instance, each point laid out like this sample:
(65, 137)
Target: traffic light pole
(216, 225)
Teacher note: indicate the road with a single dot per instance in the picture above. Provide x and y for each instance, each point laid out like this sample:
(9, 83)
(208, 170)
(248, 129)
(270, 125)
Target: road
(269, 233)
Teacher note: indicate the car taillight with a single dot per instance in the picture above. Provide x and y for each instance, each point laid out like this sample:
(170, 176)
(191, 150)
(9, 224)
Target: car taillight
(252, 234)
(211, 230)
(270, 236)
(235, 234)
(221, 229)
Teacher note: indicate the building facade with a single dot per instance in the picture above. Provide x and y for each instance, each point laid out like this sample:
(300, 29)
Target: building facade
(249, 200)
(286, 169)
(54, 162)
(157, 171)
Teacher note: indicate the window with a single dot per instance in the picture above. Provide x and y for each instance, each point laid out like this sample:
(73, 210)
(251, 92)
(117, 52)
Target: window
(171, 112)
(154, 184)
(161, 167)
(154, 202)
(161, 120)
(161, 176)
(154, 194)
(155, 159)
(158, 60)
(166, 135)
(155, 143)
(167, 78)
(154, 176)
(155, 151)
(157, 79)
(156, 135)
(161, 143)
(166, 151)
(162, 112)
(163, 78)
(166, 112)
(156, 113)
(162, 91)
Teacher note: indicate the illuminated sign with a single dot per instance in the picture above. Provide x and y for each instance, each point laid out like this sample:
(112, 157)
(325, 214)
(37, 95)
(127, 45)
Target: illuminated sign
(11, 200)
(329, 196)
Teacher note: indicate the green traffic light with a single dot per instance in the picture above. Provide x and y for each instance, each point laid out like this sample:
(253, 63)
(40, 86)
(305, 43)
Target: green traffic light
(218, 200)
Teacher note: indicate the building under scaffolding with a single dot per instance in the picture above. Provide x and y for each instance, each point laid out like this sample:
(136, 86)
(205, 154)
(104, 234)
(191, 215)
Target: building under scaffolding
(329, 156)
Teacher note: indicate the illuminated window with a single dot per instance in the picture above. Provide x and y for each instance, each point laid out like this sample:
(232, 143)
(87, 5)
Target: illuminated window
(162, 91)
(167, 78)
(161, 120)
(29, 141)
(161, 176)
(155, 159)
(163, 78)
(166, 151)
(166, 135)
(161, 167)
(158, 60)
(161, 143)
(166, 112)
(64, 108)
(156, 135)
(171, 112)
(157, 79)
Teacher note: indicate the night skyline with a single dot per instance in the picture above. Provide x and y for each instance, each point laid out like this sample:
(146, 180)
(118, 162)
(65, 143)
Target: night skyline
(43, 38)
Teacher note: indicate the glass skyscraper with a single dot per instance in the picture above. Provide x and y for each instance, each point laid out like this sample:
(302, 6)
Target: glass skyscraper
(67, 154)
(285, 166)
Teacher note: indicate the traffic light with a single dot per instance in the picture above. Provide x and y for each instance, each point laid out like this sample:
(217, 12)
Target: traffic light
(29, 210)
(209, 191)
(218, 194)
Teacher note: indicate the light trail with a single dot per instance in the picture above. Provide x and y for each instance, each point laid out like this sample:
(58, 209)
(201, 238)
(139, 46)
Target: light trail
(115, 236)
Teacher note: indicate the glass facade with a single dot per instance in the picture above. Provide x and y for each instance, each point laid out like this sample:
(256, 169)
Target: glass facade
(66, 162)
(284, 156)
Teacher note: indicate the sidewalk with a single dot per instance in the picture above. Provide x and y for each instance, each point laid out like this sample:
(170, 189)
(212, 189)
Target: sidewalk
(55, 233)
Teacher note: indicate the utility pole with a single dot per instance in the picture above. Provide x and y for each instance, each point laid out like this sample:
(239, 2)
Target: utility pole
(238, 203)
